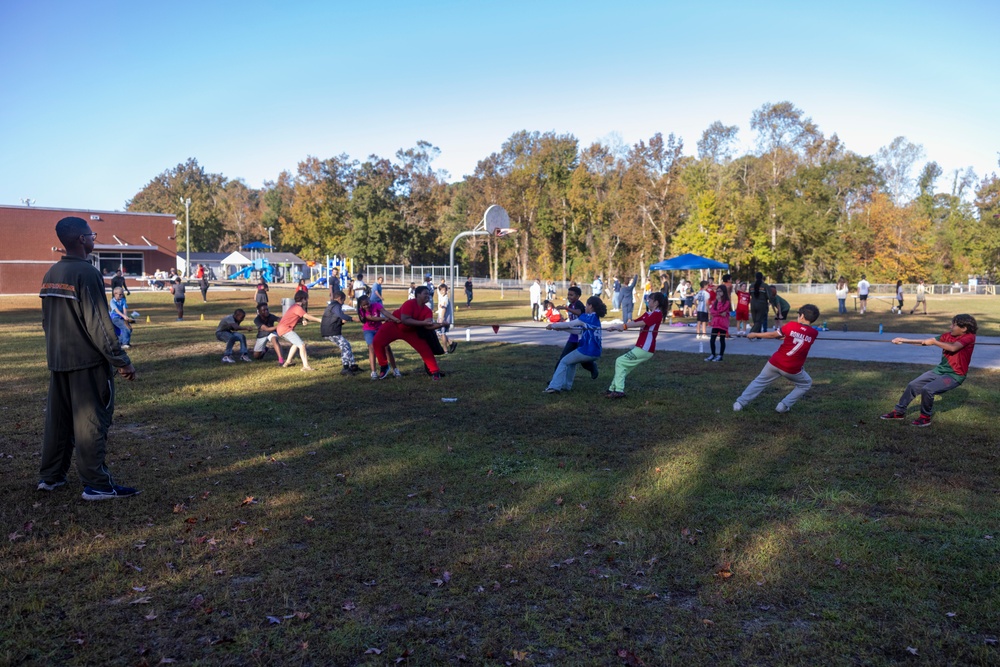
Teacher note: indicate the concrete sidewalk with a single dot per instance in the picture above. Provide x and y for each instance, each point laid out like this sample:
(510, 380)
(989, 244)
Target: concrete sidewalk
(854, 345)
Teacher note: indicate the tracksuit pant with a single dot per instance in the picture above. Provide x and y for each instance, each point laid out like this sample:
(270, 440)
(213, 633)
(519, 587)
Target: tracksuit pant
(78, 413)
(389, 332)
(624, 365)
(769, 374)
(928, 385)
(346, 352)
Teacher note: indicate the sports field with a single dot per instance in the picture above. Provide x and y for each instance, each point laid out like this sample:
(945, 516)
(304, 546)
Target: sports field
(314, 519)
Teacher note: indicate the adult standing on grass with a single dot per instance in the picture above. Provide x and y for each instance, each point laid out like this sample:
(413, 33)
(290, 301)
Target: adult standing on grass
(841, 291)
(759, 302)
(446, 317)
(178, 289)
(597, 287)
(899, 297)
(82, 353)
(957, 346)
(202, 276)
(863, 288)
(921, 298)
(468, 291)
(627, 302)
(119, 281)
(616, 294)
(535, 296)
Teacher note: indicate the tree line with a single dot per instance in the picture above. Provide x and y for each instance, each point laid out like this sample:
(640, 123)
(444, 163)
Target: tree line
(798, 207)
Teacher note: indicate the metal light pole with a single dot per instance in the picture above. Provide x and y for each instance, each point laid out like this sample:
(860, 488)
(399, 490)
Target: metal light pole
(269, 230)
(187, 235)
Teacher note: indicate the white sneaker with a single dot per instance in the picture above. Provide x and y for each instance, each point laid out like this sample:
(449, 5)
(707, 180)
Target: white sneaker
(228, 360)
(737, 407)
(396, 373)
(374, 375)
(781, 407)
(710, 358)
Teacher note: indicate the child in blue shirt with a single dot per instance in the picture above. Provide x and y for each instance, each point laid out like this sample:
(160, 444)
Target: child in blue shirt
(588, 348)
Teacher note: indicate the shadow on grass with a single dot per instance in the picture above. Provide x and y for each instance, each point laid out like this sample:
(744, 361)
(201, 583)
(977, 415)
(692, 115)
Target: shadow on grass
(568, 526)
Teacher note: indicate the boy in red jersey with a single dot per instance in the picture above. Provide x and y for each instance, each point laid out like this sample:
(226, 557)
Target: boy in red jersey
(797, 338)
(957, 346)
(412, 315)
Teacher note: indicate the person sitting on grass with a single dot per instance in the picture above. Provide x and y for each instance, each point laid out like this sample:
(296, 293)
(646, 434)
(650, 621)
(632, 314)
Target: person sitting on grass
(267, 331)
(587, 350)
(549, 312)
(645, 345)
(957, 345)
(331, 329)
(286, 329)
(228, 332)
(797, 337)
(372, 315)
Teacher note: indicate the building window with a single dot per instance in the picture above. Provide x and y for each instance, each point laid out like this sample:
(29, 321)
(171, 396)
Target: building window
(130, 263)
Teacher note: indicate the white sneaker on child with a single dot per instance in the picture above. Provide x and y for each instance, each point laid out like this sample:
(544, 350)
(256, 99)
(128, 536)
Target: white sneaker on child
(781, 407)
(737, 407)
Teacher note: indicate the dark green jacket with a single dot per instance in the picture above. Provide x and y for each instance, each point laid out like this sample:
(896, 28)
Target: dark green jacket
(78, 329)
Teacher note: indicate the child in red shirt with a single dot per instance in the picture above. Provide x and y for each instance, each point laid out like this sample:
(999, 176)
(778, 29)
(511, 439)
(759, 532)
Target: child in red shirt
(797, 338)
(957, 346)
(550, 314)
(742, 310)
(645, 345)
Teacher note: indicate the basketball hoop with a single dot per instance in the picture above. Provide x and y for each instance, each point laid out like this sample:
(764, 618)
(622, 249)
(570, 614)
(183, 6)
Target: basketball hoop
(495, 219)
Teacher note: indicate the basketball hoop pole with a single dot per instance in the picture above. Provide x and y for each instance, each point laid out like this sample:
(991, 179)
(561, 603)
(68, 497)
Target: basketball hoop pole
(484, 228)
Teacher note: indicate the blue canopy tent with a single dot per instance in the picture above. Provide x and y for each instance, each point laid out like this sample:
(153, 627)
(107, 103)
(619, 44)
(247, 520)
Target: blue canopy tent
(687, 262)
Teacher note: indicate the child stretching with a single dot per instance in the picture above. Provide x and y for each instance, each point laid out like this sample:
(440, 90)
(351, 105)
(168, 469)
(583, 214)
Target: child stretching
(742, 310)
(656, 304)
(588, 348)
(719, 312)
(787, 362)
(957, 346)
(372, 315)
(286, 329)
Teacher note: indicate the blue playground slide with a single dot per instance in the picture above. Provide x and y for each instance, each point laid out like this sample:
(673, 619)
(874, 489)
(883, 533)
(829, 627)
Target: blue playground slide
(261, 265)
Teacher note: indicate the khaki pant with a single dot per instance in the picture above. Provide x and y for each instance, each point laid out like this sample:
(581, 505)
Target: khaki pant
(78, 414)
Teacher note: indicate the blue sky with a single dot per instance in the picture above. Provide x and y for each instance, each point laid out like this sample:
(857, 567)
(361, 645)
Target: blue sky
(100, 97)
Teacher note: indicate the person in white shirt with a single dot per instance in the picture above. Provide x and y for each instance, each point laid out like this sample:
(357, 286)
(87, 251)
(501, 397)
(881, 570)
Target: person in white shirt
(921, 298)
(863, 287)
(446, 316)
(597, 286)
(535, 294)
(359, 287)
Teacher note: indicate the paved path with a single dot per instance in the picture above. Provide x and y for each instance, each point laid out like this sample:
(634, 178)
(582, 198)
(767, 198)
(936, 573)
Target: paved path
(862, 346)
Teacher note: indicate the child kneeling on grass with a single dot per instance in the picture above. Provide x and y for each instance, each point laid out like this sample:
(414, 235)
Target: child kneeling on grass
(645, 345)
(797, 338)
(587, 350)
(286, 329)
(957, 346)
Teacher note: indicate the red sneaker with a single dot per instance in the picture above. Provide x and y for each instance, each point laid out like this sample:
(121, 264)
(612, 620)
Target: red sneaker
(922, 420)
(893, 415)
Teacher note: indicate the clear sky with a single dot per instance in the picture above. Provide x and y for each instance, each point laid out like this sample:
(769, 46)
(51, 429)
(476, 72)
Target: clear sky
(100, 97)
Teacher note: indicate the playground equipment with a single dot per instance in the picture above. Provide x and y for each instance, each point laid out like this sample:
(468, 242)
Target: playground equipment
(345, 265)
(260, 265)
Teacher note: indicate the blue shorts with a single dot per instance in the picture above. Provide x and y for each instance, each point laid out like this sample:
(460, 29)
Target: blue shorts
(369, 336)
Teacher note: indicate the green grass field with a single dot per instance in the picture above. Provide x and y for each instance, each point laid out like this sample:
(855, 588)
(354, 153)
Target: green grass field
(292, 518)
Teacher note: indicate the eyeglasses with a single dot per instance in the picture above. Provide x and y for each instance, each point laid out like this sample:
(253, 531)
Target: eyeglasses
(92, 235)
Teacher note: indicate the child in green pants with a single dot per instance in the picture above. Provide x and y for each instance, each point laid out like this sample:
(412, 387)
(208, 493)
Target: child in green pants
(656, 304)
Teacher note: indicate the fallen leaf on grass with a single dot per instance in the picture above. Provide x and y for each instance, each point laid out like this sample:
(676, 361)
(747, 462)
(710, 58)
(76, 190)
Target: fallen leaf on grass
(724, 572)
(249, 500)
(707, 622)
(559, 501)
(142, 600)
(373, 651)
(630, 658)
(180, 508)
(992, 641)
(191, 519)
(348, 606)
(911, 650)
(28, 525)
(951, 614)
(15, 536)
(167, 661)
(273, 620)
(198, 601)
(310, 521)
(139, 589)
(520, 656)
(151, 616)
(404, 656)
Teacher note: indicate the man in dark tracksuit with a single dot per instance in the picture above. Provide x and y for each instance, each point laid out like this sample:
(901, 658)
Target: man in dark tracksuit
(119, 281)
(82, 351)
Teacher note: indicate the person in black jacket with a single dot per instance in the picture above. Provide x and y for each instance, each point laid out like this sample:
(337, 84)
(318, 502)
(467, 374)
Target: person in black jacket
(330, 328)
(82, 351)
(119, 281)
